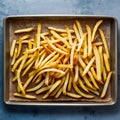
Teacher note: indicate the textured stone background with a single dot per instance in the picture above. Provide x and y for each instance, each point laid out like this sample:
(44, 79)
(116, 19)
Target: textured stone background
(87, 7)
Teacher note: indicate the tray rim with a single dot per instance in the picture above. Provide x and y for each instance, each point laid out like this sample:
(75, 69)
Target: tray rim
(62, 103)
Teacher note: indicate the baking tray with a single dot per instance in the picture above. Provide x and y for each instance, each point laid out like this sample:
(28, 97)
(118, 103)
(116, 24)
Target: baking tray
(14, 22)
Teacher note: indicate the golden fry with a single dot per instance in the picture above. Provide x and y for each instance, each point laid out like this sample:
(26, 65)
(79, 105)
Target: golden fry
(72, 53)
(106, 85)
(89, 40)
(43, 89)
(60, 38)
(73, 95)
(14, 57)
(82, 85)
(59, 30)
(82, 93)
(51, 89)
(12, 48)
(95, 28)
(65, 84)
(98, 63)
(98, 43)
(106, 61)
(24, 30)
(85, 53)
(36, 87)
(55, 48)
(104, 42)
(25, 96)
(88, 66)
(79, 28)
(69, 35)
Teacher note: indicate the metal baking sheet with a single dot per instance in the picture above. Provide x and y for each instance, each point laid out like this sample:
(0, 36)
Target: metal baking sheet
(15, 22)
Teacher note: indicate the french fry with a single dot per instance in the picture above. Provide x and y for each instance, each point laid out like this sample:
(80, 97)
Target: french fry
(29, 61)
(95, 28)
(72, 53)
(82, 85)
(61, 47)
(47, 58)
(69, 34)
(27, 82)
(65, 84)
(76, 74)
(38, 80)
(52, 70)
(88, 66)
(20, 47)
(26, 41)
(19, 71)
(64, 34)
(93, 72)
(56, 57)
(27, 68)
(38, 34)
(104, 42)
(54, 93)
(98, 43)
(89, 40)
(81, 62)
(25, 37)
(60, 38)
(70, 83)
(59, 30)
(106, 61)
(82, 93)
(37, 59)
(40, 61)
(24, 30)
(98, 64)
(55, 48)
(93, 91)
(51, 89)
(14, 79)
(14, 57)
(106, 85)
(93, 80)
(61, 75)
(16, 63)
(29, 45)
(81, 42)
(48, 51)
(53, 65)
(59, 93)
(85, 53)
(104, 74)
(43, 89)
(87, 82)
(25, 96)
(12, 48)
(76, 32)
(79, 28)
(101, 57)
(64, 66)
(73, 95)
(34, 49)
(36, 87)
(47, 78)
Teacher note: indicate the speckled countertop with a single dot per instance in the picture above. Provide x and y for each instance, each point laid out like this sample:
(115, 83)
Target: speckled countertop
(87, 7)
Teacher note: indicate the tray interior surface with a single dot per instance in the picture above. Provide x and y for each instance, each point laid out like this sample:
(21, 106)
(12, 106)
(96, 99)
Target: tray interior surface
(14, 23)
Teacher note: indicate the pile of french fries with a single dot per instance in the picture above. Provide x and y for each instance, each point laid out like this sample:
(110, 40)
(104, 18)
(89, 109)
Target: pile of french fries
(61, 62)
